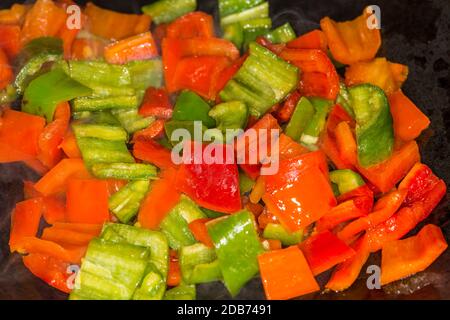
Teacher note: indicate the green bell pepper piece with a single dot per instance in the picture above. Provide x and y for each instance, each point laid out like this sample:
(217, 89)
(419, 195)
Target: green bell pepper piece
(237, 247)
(263, 80)
(301, 117)
(346, 180)
(95, 150)
(198, 264)
(176, 223)
(229, 7)
(312, 131)
(154, 240)
(230, 115)
(125, 171)
(44, 93)
(172, 125)
(100, 131)
(98, 73)
(99, 117)
(278, 232)
(131, 120)
(344, 99)
(146, 73)
(153, 285)
(191, 107)
(9, 95)
(245, 183)
(374, 128)
(105, 103)
(234, 33)
(259, 11)
(212, 214)
(163, 11)
(282, 34)
(182, 292)
(125, 203)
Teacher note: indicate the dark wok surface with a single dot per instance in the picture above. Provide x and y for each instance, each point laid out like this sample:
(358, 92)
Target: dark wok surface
(416, 33)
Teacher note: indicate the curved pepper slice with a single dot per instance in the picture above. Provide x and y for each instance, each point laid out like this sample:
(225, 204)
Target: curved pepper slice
(418, 182)
(374, 130)
(191, 25)
(139, 47)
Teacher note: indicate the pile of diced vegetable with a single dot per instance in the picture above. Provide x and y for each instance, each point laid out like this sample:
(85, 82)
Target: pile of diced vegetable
(99, 105)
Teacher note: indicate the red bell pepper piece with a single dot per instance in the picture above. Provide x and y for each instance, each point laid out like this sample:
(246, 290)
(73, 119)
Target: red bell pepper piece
(406, 218)
(174, 273)
(324, 250)
(213, 186)
(383, 210)
(346, 143)
(251, 170)
(153, 210)
(388, 173)
(87, 201)
(300, 193)
(285, 274)
(54, 209)
(51, 270)
(155, 130)
(25, 221)
(319, 77)
(343, 212)
(93, 229)
(69, 146)
(287, 109)
(156, 103)
(275, 48)
(402, 258)
(65, 236)
(191, 25)
(10, 40)
(418, 182)
(409, 121)
(228, 73)
(152, 152)
(50, 139)
(315, 39)
(55, 181)
(200, 232)
(139, 47)
(347, 272)
(288, 148)
(200, 74)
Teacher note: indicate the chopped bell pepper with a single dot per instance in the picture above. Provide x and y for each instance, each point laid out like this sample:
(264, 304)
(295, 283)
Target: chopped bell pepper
(243, 12)
(13, 15)
(213, 186)
(156, 103)
(308, 195)
(125, 203)
(286, 110)
(131, 120)
(409, 121)
(275, 231)
(45, 92)
(152, 287)
(126, 171)
(319, 77)
(230, 115)
(68, 237)
(10, 40)
(182, 292)
(346, 143)
(54, 209)
(115, 25)
(300, 119)
(345, 211)
(402, 258)
(199, 264)
(229, 7)
(163, 11)
(377, 72)
(285, 274)
(312, 40)
(191, 107)
(98, 104)
(374, 131)
(314, 127)
(191, 25)
(6, 72)
(351, 41)
(87, 201)
(25, 221)
(200, 232)
(245, 183)
(282, 34)
(153, 153)
(262, 81)
(139, 47)
(324, 250)
(69, 145)
(419, 180)
(344, 99)
(347, 180)
(237, 248)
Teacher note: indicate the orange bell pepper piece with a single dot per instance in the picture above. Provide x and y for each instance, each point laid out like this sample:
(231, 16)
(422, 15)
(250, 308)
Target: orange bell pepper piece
(51, 270)
(52, 136)
(54, 209)
(388, 173)
(87, 201)
(409, 121)
(324, 250)
(25, 221)
(346, 143)
(10, 40)
(344, 211)
(351, 41)
(92, 229)
(258, 190)
(377, 72)
(300, 193)
(347, 272)
(383, 210)
(14, 15)
(200, 232)
(274, 244)
(87, 49)
(288, 148)
(68, 237)
(191, 25)
(265, 218)
(418, 182)
(69, 146)
(315, 39)
(319, 77)
(156, 103)
(115, 25)
(285, 274)
(55, 181)
(44, 19)
(152, 152)
(153, 210)
(139, 47)
(6, 73)
(19, 131)
(174, 273)
(406, 218)
(402, 258)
